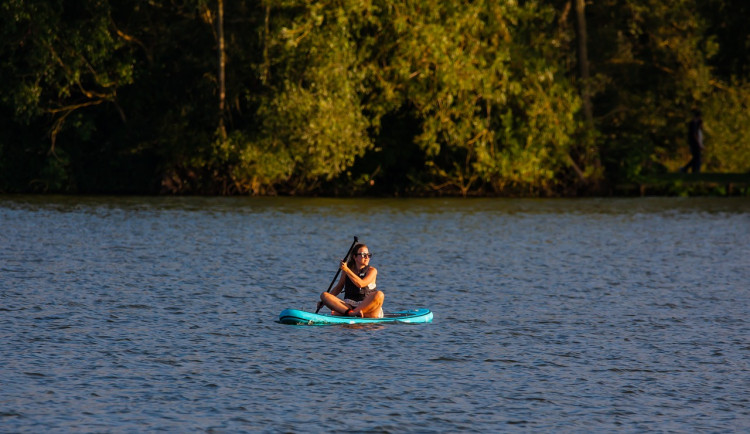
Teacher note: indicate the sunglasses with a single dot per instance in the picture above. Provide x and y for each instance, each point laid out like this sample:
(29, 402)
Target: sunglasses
(363, 255)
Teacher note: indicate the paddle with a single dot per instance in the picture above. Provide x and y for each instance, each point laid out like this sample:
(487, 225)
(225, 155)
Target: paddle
(346, 258)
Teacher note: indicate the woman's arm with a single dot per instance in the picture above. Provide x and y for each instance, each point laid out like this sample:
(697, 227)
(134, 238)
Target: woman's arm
(361, 282)
(339, 286)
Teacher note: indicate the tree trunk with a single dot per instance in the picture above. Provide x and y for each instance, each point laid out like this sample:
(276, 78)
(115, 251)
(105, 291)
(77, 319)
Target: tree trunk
(266, 38)
(591, 152)
(222, 67)
(583, 61)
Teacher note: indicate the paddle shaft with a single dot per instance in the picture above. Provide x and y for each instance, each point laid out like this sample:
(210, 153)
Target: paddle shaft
(348, 252)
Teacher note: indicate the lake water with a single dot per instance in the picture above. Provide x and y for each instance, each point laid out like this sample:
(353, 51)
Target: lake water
(160, 314)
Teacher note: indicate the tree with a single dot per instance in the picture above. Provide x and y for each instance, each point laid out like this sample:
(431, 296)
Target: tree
(59, 61)
(650, 68)
(311, 126)
(484, 81)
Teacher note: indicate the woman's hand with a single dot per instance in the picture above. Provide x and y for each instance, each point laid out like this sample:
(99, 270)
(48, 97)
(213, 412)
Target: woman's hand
(344, 267)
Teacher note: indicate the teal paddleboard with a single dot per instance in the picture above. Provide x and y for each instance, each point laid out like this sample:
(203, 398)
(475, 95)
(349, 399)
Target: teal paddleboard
(300, 317)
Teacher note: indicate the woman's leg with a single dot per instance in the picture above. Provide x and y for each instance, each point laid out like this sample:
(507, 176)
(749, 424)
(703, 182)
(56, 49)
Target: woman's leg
(334, 303)
(371, 306)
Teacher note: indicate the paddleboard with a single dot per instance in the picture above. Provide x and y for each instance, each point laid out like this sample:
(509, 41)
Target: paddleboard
(300, 317)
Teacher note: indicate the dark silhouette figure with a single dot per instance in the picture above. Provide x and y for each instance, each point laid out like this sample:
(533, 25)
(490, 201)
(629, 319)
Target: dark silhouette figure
(695, 139)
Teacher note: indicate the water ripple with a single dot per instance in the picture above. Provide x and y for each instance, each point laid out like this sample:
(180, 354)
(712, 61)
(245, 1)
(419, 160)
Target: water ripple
(150, 314)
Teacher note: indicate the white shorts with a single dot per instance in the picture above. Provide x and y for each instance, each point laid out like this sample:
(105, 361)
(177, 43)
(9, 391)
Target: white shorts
(354, 304)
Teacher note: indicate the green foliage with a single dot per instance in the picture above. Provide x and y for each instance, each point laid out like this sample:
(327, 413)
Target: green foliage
(311, 124)
(648, 75)
(487, 102)
(363, 96)
(727, 125)
(728, 33)
(64, 56)
(60, 59)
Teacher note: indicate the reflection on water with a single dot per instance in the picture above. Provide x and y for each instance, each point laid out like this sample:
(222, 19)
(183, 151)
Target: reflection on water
(144, 314)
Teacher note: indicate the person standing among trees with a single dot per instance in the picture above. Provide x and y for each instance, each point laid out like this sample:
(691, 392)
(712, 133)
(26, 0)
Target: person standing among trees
(695, 139)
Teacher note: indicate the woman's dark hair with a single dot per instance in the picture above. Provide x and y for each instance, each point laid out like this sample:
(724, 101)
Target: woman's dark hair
(351, 263)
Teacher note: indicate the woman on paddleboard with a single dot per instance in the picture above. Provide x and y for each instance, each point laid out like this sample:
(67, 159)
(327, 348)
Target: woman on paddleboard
(358, 282)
